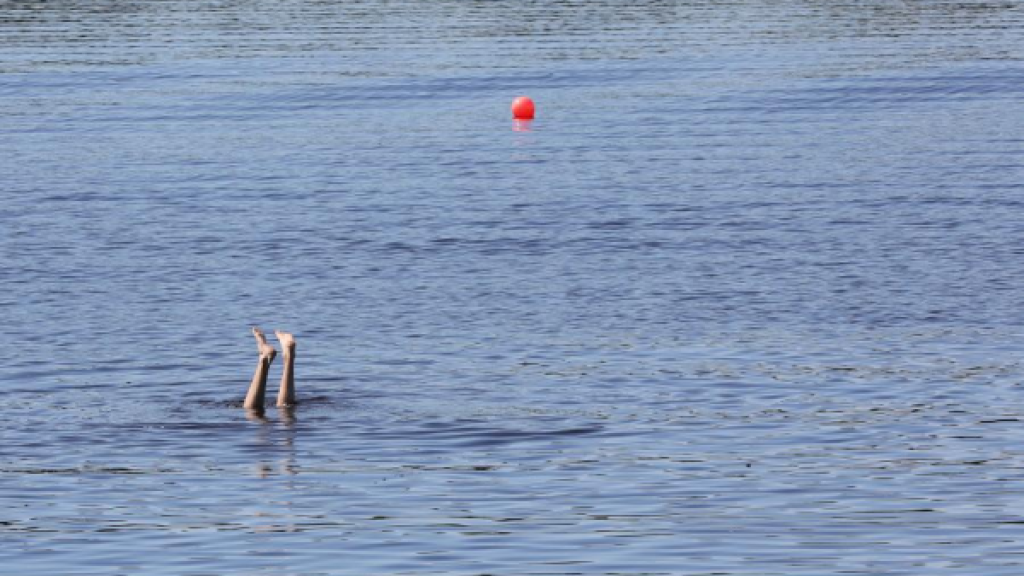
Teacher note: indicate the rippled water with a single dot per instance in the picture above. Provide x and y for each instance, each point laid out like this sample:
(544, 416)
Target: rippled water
(743, 300)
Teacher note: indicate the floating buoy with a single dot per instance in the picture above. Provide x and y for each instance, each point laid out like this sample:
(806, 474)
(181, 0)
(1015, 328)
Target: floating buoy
(522, 108)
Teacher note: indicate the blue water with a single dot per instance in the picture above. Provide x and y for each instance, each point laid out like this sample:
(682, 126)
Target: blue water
(744, 299)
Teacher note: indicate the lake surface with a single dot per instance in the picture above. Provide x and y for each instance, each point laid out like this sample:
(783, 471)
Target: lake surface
(744, 299)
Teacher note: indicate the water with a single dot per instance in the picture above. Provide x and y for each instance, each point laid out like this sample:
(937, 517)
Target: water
(743, 300)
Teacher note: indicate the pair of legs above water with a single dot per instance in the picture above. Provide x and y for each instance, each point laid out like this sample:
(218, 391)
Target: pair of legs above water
(258, 387)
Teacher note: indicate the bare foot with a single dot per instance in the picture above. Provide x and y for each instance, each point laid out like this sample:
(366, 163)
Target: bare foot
(287, 341)
(266, 350)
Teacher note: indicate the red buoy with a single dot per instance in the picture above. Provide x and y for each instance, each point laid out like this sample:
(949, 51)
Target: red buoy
(522, 108)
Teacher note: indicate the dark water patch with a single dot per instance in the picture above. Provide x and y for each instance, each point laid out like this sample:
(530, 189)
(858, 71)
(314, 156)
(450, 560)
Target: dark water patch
(873, 94)
(305, 401)
(471, 436)
(90, 470)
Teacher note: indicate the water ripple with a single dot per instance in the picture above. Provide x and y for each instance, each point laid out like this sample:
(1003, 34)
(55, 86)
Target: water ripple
(742, 300)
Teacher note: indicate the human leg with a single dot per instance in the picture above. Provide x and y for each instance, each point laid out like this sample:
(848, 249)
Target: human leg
(257, 388)
(286, 395)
